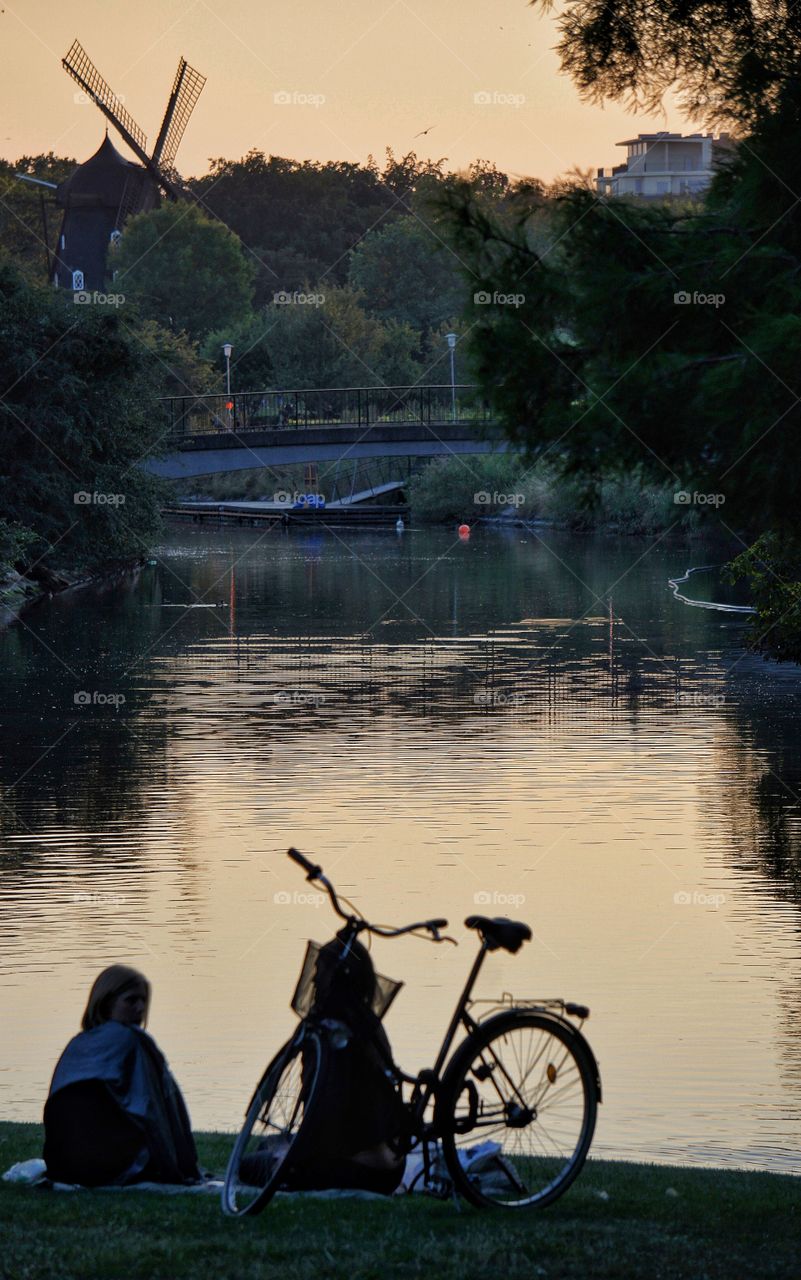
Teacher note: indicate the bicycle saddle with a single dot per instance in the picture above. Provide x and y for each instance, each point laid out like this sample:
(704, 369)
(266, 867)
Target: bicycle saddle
(500, 932)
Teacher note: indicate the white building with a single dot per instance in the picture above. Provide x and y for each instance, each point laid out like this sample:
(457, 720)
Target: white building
(659, 165)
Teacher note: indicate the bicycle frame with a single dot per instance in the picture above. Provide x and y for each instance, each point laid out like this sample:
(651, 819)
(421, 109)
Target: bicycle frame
(427, 1083)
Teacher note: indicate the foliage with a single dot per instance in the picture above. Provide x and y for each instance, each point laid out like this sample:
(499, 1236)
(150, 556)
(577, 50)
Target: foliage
(651, 337)
(448, 489)
(178, 365)
(183, 269)
(320, 340)
(607, 362)
(726, 59)
(22, 233)
(77, 413)
(406, 273)
(504, 485)
(300, 220)
(772, 567)
(14, 541)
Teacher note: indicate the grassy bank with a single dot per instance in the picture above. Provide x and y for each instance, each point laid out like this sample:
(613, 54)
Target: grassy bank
(620, 1220)
(502, 484)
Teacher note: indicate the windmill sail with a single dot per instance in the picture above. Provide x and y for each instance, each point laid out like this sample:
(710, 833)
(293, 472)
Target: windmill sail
(186, 90)
(103, 193)
(79, 65)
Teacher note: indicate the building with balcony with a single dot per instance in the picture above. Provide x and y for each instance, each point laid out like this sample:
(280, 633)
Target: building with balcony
(660, 165)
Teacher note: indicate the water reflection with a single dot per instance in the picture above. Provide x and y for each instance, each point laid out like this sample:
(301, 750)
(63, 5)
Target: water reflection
(520, 722)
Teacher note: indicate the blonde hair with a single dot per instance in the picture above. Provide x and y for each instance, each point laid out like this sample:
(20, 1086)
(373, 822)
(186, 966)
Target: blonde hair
(109, 984)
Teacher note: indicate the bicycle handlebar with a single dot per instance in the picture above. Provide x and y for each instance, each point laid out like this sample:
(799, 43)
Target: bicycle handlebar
(315, 872)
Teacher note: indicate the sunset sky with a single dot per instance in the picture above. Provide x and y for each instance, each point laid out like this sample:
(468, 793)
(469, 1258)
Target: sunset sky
(377, 72)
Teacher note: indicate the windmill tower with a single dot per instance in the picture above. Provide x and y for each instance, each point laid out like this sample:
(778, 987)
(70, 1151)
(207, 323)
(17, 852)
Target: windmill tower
(101, 194)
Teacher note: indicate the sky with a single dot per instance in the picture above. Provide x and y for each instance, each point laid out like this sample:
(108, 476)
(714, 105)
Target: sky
(313, 80)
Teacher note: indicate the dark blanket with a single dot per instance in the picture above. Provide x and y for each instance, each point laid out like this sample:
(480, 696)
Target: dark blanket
(115, 1112)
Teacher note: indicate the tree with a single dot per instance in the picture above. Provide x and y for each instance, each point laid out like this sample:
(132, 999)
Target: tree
(658, 337)
(78, 412)
(180, 368)
(183, 269)
(727, 59)
(22, 222)
(299, 219)
(406, 273)
(316, 339)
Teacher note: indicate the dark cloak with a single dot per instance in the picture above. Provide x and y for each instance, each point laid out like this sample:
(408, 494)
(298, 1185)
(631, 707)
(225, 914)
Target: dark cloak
(115, 1112)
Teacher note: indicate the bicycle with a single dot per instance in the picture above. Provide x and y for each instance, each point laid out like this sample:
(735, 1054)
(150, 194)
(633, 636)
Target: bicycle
(523, 1083)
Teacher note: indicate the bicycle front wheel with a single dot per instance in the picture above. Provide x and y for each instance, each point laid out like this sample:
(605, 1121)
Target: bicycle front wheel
(277, 1126)
(518, 1109)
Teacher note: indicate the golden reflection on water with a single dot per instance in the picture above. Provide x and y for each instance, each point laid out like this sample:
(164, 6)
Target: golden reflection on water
(597, 806)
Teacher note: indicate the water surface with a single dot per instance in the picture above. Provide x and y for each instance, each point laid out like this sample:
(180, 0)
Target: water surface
(524, 723)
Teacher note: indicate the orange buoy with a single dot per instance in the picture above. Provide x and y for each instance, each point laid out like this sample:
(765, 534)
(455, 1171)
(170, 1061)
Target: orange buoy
(464, 530)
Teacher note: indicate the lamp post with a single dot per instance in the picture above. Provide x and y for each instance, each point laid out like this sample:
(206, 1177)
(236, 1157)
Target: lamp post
(227, 349)
(452, 340)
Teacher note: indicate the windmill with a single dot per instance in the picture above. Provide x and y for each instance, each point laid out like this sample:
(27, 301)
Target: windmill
(101, 194)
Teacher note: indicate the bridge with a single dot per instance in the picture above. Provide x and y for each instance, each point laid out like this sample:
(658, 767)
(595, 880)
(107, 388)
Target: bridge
(216, 433)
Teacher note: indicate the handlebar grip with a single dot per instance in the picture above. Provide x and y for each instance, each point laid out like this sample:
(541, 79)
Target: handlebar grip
(438, 924)
(311, 869)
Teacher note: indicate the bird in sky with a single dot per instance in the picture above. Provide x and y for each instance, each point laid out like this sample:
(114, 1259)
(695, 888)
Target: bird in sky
(423, 132)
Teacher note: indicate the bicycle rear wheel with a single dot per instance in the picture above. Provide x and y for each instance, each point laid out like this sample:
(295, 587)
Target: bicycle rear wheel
(277, 1127)
(525, 1085)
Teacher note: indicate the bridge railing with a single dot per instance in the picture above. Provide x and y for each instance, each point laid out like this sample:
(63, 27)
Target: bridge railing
(329, 407)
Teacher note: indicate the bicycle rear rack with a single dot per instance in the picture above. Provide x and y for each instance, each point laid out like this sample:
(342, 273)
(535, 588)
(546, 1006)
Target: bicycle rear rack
(550, 1004)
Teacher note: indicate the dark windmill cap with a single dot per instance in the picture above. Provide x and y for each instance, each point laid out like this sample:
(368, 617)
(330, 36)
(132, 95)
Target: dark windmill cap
(100, 181)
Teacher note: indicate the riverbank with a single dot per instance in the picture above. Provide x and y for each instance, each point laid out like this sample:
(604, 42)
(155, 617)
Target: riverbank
(18, 593)
(619, 1220)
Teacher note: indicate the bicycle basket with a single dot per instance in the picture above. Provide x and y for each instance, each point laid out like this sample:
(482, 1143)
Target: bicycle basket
(306, 990)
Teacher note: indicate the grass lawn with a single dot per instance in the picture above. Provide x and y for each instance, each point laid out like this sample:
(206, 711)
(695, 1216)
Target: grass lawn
(618, 1220)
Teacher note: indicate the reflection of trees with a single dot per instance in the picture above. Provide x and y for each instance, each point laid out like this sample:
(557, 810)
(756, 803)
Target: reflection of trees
(311, 635)
(62, 762)
(755, 796)
(765, 758)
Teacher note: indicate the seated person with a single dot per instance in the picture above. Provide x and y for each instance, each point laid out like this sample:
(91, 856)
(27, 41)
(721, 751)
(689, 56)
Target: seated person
(114, 1113)
(357, 1121)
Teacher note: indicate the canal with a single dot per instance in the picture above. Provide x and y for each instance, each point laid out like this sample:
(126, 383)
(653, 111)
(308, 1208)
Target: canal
(523, 724)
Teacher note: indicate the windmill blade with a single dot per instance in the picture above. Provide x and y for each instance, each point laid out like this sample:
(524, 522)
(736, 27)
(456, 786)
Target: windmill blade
(79, 65)
(186, 90)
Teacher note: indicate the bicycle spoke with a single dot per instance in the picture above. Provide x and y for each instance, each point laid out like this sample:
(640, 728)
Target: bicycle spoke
(530, 1096)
